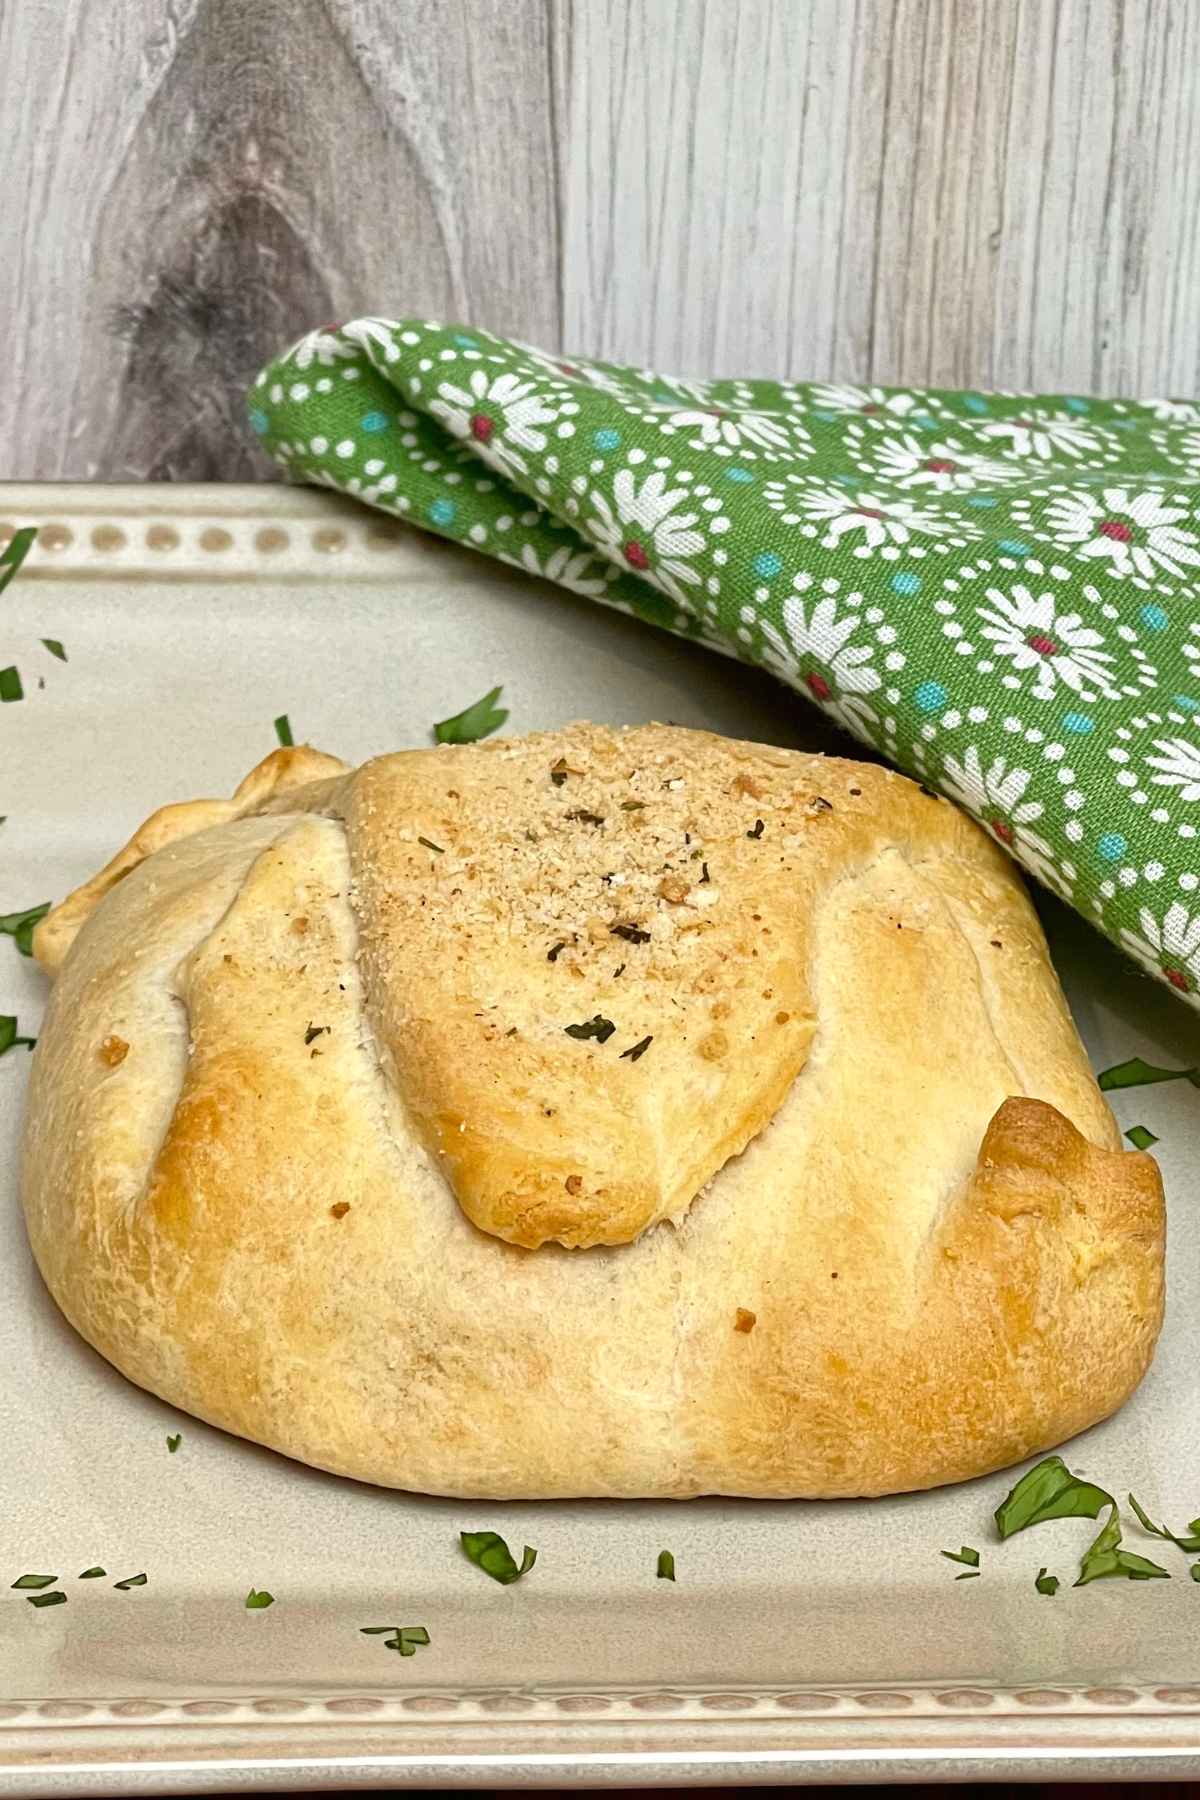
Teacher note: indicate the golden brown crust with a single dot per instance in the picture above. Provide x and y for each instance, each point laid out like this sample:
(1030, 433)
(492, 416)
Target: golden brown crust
(277, 774)
(344, 1051)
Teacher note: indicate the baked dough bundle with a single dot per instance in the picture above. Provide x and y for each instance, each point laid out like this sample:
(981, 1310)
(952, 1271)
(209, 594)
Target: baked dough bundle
(593, 1113)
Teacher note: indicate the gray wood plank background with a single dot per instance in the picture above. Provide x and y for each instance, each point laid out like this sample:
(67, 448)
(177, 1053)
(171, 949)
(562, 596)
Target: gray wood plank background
(973, 192)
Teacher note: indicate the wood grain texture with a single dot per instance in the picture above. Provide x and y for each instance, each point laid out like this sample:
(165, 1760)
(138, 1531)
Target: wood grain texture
(969, 192)
(975, 192)
(192, 183)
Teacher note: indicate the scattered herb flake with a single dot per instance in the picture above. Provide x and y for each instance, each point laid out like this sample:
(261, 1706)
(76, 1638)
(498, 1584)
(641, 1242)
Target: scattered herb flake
(19, 926)
(15, 552)
(55, 648)
(758, 829)
(55, 1599)
(10, 683)
(633, 934)
(636, 1050)
(489, 1552)
(174, 1439)
(474, 722)
(1140, 1138)
(553, 954)
(1189, 1544)
(430, 845)
(970, 1575)
(633, 806)
(1049, 1491)
(1105, 1557)
(666, 1566)
(1137, 1073)
(1196, 1571)
(9, 1040)
(258, 1599)
(403, 1638)
(314, 1031)
(597, 1027)
(131, 1581)
(92, 1574)
(283, 731)
(704, 874)
(1046, 1584)
(965, 1555)
(35, 1581)
(582, 817)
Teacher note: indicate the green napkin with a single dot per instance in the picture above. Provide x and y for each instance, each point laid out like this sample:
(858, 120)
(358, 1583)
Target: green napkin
(998, 592)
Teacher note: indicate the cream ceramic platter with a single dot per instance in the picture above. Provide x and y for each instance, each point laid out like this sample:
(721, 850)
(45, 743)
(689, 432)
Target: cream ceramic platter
(805, 1642)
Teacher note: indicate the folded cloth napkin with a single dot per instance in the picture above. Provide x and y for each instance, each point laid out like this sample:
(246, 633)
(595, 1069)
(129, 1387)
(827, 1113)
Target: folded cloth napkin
(998, 592)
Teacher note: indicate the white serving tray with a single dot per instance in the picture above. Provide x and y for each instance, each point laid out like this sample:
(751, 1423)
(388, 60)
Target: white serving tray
(805, 1642)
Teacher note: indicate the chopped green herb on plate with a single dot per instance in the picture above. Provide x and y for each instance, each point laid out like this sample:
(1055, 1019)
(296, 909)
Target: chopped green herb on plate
(15, 552)
(1137, 1073)
(19, 926)
(35, 1581)
(403, 1638)
(474, 722)
(1050, 1491)
(55, 1599)
(258, 1599)
(666, 1566)
(283, 731)
(489, 1552)
(965, 1555)
(1189, 1543)
(1105, 1557)
(9, 1039)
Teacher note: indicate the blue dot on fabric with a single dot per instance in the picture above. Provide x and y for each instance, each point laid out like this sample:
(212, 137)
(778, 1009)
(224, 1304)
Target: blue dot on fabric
(925, 422)
(1122, 424)
(375, 421)
(983, 501)
(975, 403)
(826, 417)
(767, 563)
(259, 420)
(1079, 723)
(467, 343)
(1075, 405)
(1185, 702)
(906, 583)
(1013, 547)
(607, 439)
(442, 512)
(739, 475)
(1154, 618)
(930, 695)
(1111, 846)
